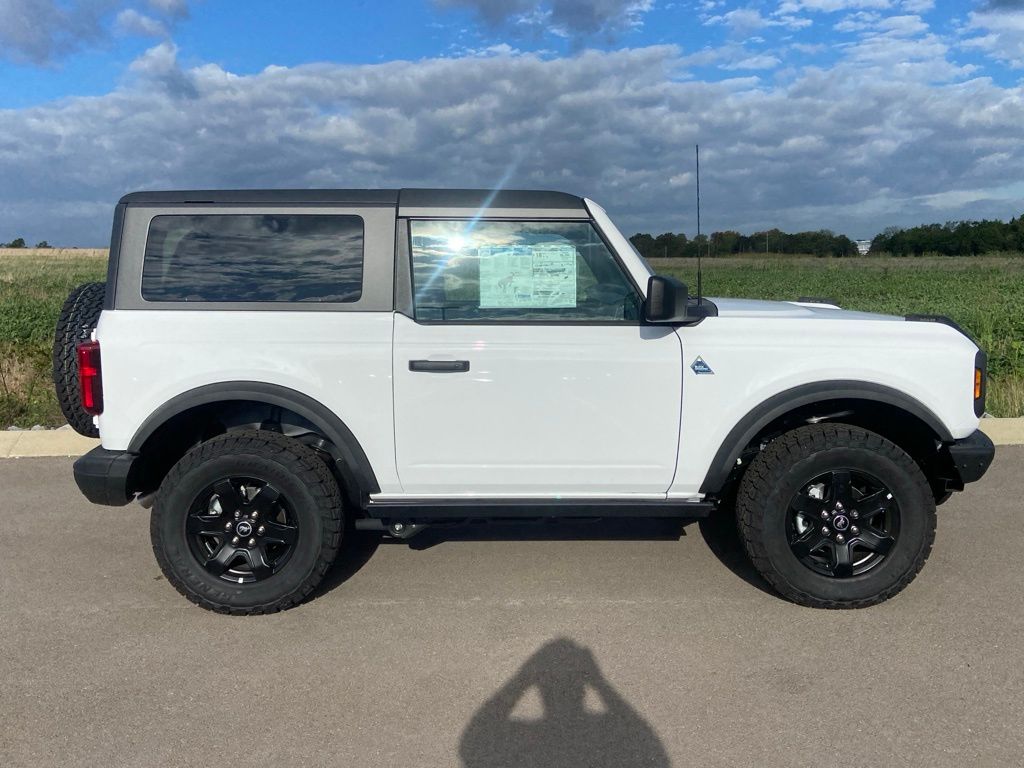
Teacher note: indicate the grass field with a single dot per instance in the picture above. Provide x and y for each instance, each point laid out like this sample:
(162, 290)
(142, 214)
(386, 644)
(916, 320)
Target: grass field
(985, 295)
(33, 285)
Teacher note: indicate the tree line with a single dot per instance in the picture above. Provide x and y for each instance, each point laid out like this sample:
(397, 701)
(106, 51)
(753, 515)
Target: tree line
(677, 245)
(19, 242)
(954, 238)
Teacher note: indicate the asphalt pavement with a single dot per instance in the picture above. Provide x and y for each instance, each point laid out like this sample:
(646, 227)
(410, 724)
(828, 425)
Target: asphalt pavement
(626, 644)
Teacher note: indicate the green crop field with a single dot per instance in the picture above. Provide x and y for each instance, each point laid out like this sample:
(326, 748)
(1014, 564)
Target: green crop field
(33, 285)
(984, 294)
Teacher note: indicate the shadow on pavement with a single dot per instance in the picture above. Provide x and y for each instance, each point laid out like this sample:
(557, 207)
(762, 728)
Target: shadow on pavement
(357, 547)
(718, 532)
(559, 710)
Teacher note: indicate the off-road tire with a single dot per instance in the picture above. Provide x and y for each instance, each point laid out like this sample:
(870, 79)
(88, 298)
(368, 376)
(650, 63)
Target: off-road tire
(796, 457)
(75, 324)
(300, 475)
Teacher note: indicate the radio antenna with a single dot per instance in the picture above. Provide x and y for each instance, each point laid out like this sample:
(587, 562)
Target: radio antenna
(699, 293)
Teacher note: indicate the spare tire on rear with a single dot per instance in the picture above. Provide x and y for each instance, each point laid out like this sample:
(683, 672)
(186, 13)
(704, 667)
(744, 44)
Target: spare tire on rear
(77, 320)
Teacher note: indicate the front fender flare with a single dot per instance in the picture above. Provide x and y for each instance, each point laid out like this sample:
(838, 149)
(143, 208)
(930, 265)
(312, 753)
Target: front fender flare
(747, 428)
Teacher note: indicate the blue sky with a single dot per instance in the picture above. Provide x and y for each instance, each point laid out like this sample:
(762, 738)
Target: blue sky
(852, 115)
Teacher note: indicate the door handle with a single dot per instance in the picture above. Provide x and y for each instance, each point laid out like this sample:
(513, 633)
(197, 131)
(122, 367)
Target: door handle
(439, 366)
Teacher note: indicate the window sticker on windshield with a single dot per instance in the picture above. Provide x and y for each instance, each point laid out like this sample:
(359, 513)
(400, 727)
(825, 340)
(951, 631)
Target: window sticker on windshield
(531, 276)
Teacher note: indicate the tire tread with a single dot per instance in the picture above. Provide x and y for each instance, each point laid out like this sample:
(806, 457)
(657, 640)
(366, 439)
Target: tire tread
(298, 458)
(766, 471)
(77, 319)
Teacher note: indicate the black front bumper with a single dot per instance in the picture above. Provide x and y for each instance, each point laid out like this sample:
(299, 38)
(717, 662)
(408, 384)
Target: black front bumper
(104, 476)
(971, 456)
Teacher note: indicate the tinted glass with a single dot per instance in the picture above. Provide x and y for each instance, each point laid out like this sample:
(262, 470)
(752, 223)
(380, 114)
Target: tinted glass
(465, 271)
(260, 258)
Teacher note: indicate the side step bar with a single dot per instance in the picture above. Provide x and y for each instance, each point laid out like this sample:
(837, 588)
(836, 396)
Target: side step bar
(460, 509)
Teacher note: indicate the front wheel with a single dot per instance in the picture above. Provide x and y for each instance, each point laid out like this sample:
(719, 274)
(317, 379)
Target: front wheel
(248, 522)
(834, 516)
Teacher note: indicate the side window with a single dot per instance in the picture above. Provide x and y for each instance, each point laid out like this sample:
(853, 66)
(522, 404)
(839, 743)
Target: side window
(254, 258)
(539, 271)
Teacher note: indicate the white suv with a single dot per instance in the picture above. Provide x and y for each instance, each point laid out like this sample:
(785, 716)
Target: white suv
(277, 365)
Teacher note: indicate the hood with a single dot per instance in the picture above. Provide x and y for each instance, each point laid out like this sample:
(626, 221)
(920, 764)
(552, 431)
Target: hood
(803, 310)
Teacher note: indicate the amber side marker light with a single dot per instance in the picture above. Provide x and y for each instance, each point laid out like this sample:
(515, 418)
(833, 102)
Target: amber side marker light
(980, 385)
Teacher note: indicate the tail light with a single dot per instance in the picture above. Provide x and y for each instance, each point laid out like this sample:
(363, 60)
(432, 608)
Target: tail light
(89, 377)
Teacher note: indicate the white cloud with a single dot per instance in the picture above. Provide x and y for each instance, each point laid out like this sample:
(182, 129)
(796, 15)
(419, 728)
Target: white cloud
(809, 48)
(131, 22)
(894, 57)
(158, 67)
(1002, 5)
(744, 21)
(958, 198)
(41, 32)
(857, 22)
(898, 45)
(729, 57)
(846, 148)
(565, 18)
(831, 6)
(903, 25)
(176, 9)
(37, 31)
(758, 61)
(998, 32)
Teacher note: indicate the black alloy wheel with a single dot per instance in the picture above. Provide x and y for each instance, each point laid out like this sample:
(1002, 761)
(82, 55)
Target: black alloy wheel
(241, 529)
(843, 523)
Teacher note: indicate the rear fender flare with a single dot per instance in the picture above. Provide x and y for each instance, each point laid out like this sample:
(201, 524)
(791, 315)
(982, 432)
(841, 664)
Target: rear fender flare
(355, 465)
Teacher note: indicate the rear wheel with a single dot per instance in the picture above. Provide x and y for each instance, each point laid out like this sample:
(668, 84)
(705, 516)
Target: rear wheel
(75, 324)
(834, 516)
(247, 522)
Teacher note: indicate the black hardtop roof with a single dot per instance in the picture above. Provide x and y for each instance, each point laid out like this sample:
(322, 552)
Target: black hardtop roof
(406, 198)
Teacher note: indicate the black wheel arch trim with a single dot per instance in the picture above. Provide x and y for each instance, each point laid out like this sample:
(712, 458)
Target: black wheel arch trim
(352, 460)
(778, 405)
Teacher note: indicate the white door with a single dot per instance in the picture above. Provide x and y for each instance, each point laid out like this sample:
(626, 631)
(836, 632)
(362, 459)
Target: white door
(527, 371)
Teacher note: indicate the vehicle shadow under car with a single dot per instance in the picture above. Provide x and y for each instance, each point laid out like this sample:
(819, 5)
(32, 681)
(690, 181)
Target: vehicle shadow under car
(718, 532)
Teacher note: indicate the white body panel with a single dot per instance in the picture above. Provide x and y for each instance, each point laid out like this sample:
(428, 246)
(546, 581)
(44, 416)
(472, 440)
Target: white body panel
(757, 352)
(545, 410)
(340, 359)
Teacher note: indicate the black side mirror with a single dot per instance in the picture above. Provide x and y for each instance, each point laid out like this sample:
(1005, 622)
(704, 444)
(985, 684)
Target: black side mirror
(667, 300)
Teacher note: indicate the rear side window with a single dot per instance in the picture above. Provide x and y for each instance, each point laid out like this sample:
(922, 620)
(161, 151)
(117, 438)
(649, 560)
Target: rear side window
(254, 258)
